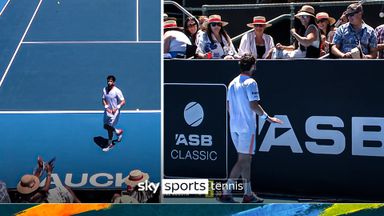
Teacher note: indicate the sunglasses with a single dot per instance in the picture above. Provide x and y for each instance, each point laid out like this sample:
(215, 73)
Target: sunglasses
(216, 24)
(352, 14)
(258, 25)
(192, 25)
(304, 16)
(322, 20)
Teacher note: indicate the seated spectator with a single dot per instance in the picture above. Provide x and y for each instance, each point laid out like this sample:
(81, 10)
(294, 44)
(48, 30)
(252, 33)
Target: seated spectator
(29, 190)
(257, 43)
(132, 194)
(355, 39)
(308, 37)
(175, 41)
(325, 24)
(380, 40)
(215, 42)
(191, 26)
(4, 196)
(203, 26)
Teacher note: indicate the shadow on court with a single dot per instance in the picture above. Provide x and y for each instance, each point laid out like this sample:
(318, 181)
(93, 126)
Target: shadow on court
(100, 141)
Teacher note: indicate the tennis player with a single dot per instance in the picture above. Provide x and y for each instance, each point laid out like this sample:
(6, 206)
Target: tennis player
(113, 100)
(242, 101)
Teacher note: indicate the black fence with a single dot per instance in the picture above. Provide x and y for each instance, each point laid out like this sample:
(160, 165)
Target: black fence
(330, 145)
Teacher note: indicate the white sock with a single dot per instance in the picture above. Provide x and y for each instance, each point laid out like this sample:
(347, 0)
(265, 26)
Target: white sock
(247, 188)
(227, 191)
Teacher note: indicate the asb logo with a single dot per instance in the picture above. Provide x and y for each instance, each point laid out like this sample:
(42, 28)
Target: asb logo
(193, 114)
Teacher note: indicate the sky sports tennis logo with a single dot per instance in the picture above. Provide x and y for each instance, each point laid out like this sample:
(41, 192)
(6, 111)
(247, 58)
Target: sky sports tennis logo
(197, 186)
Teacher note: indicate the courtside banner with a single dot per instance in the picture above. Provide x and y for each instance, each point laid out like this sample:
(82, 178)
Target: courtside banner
(331, 144)
(195, 130)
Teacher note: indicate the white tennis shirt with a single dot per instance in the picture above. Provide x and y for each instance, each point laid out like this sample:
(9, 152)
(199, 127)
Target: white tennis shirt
(241, 91)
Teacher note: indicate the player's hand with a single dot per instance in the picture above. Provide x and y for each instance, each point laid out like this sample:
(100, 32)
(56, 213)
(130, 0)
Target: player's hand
(114, 111)
(40, 161)
(109, 110)
(274, 120)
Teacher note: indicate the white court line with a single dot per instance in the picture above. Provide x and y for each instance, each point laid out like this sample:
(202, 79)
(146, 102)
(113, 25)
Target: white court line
(6, 4)
(137, 20)
(91, 42)
(76, 112)
(18, 46)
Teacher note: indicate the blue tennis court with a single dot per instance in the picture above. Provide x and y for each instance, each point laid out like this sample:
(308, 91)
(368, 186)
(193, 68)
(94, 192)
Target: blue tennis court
(55, 56)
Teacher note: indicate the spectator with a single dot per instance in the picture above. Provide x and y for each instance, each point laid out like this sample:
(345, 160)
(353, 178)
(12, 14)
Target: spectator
(4, 196)
(191, 26)
(215, 42)
(203, 23)
(308, 38)
(257, 43)
(132, 194)
(355, 39)
(380, 40)
(29, 190)
(325, 23)
(175, 41)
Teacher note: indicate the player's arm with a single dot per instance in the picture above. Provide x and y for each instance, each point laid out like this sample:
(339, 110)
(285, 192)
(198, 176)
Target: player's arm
(121, 104)
(256, 107)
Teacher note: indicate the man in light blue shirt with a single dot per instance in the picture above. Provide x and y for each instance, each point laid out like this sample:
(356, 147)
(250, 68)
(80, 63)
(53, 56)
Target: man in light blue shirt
(354, 34)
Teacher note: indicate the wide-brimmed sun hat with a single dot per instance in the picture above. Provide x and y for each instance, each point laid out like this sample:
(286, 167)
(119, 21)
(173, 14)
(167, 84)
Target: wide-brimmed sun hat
(216, 19)
(171, 24)
(135, 177)
(258, 20)
(28, 184)
(324, 15)
(306, 10)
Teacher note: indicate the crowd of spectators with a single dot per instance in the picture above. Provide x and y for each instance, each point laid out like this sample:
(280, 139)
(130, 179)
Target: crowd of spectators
(38, 187)
(316, 35)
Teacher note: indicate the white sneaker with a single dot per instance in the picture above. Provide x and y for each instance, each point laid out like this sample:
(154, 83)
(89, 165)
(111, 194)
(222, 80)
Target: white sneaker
(108, 148)
(120, 135)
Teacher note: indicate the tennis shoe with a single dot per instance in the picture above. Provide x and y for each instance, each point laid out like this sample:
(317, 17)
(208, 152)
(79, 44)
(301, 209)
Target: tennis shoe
(225, 199)
(252, 199)
(108, 147)
(120, 135)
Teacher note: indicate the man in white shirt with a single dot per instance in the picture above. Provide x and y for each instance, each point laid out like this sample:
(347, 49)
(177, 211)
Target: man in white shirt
(242, 101)
(113, 100)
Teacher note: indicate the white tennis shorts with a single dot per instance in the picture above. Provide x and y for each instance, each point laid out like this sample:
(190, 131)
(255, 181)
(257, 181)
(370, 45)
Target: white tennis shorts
(245, 143)
(111, 119)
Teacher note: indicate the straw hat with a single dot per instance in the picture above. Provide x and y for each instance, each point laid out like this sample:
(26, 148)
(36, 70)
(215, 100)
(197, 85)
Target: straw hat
(324, 15)
(307, 10)
(216, 19)
(171, 24)
(259, 20)
(135, 177)
(28, 184)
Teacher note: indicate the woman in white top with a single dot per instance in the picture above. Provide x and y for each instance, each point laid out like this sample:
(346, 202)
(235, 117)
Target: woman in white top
(175, 41)
(215, 42)
(309, 38)
(257, 43)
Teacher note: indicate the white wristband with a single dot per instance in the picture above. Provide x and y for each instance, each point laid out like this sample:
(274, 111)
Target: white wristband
(264, 116)
(118, 106)
(106, 106)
